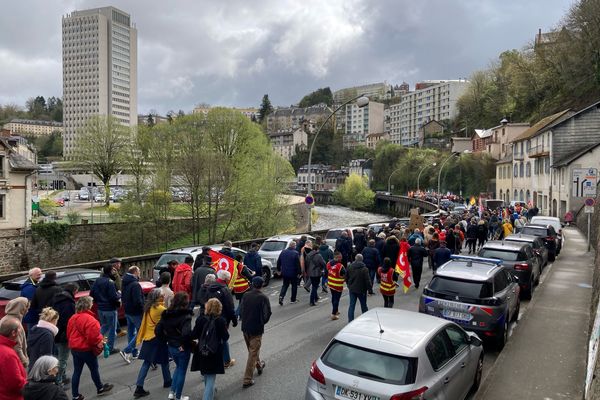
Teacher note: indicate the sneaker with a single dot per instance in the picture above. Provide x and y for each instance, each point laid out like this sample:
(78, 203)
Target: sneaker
(125, 356)
(230, 364)
(312, 304)
(171, 396)
(140, 392)
(293, 301)
(185, 398)
(105, 389)
(260, 367)
(334, 317)
(80, 397)
(248, 384)
(280, 301)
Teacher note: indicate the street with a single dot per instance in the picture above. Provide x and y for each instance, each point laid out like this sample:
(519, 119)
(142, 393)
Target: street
(295, 336)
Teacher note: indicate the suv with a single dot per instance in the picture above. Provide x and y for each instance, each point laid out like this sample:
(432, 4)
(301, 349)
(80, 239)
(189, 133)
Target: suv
(334, 234)
(273, 246)
(547, 234)
(479, 294)
(519, 258)
(556, 224)
(180, 254)
(536, 243)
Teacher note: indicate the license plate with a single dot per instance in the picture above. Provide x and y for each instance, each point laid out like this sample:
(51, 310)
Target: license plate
(457, 315)
(452, 305)
(345, 393)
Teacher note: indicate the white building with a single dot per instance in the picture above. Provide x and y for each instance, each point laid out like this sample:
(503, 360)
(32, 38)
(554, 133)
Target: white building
(99, 69)
(33, 127)
(437, 101)
(286, 142)
(374, 91)
(362, 121)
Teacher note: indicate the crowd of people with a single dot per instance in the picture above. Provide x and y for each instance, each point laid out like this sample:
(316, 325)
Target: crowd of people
(48, 323)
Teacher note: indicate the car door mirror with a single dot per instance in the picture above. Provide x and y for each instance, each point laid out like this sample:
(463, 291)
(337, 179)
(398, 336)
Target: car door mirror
(515, 278)
(475, 341)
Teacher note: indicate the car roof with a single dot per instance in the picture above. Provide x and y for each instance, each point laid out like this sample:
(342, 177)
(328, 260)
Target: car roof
(402, 330)
(471, 270)
(288, 237)
(504, 245)
(192, 250)
(347, 227)
(59, 274)
(539, 226)
(519, 237)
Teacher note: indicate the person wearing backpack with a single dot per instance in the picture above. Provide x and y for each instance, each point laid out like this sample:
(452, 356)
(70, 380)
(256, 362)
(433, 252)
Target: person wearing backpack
(211, 332)
(175, 328)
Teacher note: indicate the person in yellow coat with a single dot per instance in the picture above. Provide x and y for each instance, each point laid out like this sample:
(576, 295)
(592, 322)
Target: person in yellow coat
(507, 227)
(154, 350)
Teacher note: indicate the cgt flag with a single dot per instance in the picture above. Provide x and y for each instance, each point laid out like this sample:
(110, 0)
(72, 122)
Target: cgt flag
(472, 201)
(402, 267)
(221, 261)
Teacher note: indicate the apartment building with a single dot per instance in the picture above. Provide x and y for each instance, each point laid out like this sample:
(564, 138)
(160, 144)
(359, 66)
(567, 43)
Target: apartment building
(373, 138)
(99, 54)
(249, 112)
(292, 118)
(497, 141)
(435, 100)
(33, 127)
(374, 91)
(362, 121)
(285, 143)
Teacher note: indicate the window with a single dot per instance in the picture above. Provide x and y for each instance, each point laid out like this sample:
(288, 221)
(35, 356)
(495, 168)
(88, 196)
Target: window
(521, 169)
(439, 350)
(1, 166)
(458, 338)
(516, 170)
(500, 282)
(2, 206)
(528, 169)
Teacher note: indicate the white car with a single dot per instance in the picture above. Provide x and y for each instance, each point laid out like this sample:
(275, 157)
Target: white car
(394, 354)
(334, 234)
(273, 246)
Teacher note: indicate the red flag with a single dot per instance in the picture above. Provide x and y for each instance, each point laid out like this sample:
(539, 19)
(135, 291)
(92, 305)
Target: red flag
(221, 261)
(402, 267)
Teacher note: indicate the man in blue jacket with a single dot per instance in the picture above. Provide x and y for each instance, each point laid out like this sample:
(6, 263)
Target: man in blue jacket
(372, 260)
(104, 293)
(133, 303)
(253, 261)
(28, 290)
(288, 264)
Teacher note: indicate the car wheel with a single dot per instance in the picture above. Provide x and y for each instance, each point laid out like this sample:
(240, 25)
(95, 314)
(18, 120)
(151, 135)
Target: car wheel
(266, 275)
(478, 375)
(552, 256)
(502, 334)
(528, 293)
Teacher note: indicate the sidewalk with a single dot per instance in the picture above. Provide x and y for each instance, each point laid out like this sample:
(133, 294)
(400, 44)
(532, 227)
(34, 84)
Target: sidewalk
(545, 358)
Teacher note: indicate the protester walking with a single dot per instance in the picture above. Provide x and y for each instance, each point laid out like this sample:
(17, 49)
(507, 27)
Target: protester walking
(288, 264)
(441, 256)
(104, 293)
(175, 328)
(472, 231)
(153, 350)
(42, 379)
(64, 304)
(17, 308)
(315, 268)
(358, 281)
(255, 312)
(252, 260)
(327, 254)
(86, 343)
(202, 268)
(182, 280)
(40, 341)
(388, 279)
(372, 261)
(13, 376)
(28, 289)
(165, 283)
(133, 303)
(344, 245)
(335, 279)
(45, 292)
(432, 245)
(220, 290)
(416, 255)
(242, 281)
(211, 332)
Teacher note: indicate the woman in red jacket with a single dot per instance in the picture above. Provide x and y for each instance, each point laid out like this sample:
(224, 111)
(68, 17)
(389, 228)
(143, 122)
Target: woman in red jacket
(86, 343)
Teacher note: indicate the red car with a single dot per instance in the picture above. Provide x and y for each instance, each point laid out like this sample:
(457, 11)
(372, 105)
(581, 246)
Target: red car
(83, 277)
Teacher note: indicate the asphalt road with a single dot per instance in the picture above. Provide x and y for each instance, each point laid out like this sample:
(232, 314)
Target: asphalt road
(294, 337)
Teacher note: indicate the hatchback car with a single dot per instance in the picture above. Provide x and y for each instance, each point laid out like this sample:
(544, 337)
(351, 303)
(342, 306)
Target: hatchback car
(334, 234)
(519, 258)
(536, 243)
(273, 246)
(556, 224)
(548, 235)
(398, 355)
(479, 294)
(180, 254)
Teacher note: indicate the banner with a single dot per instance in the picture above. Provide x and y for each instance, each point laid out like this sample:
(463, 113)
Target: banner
(402, 267)
(221, 261)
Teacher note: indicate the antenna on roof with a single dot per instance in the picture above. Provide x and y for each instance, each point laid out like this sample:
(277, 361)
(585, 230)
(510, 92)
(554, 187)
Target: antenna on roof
(379, 322)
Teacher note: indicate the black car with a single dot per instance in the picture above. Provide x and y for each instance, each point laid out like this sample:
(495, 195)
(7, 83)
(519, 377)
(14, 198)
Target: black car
(536, 242)
(519, 258)
(547, 234)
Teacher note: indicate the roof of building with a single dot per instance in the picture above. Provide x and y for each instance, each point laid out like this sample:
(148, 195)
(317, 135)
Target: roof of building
(571, 116)
(20, 163)
(36, 122)
(483, 133)
(569, 158)
(505, 160)
(542, 124)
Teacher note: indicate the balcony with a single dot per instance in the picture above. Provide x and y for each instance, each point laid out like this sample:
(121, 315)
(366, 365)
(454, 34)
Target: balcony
(541, 150)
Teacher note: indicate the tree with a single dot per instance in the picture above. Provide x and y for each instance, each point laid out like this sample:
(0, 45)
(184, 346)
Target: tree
(150, 120)
(319, 96)
(101, 148)
(265, 108)
(355, 193)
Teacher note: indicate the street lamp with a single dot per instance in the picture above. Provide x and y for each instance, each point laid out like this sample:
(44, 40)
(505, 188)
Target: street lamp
(419, 175)
(440, 174)
(390, 179)
(361, 101)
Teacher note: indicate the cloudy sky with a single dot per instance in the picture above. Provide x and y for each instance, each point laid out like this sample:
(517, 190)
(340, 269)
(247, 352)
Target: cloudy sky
(231, 52)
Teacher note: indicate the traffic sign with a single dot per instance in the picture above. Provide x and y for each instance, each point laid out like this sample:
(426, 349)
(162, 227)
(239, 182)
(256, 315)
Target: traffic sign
(590, 202)
(589, 209)
(309, 199)
(585, 181)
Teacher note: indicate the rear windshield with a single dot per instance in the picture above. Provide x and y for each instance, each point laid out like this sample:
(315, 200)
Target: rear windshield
(457, 287)
(333, 234)
(10, 290)
(273, 245)
(165, 258)
(529, 230)
(370, 364)
(505, 255)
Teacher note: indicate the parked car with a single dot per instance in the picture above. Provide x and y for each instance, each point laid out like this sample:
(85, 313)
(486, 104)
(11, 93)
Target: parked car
(85, 278)
(556, 224)
(181, 253)
(396, 354)
(520, 259)
(273, 246)
(99, 198)
(479, 294)
(83, 195)
(334, 234)
(60, 202)
(377, 228)
(536, 243)
(548, 235)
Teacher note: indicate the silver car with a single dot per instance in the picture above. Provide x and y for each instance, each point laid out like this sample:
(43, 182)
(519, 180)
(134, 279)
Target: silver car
(397, 355)
(273, 246)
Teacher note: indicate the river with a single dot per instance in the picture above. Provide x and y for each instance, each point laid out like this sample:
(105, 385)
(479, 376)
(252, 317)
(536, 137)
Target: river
(335, 216)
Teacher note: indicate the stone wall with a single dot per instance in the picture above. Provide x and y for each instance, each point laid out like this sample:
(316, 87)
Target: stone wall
(595, 243)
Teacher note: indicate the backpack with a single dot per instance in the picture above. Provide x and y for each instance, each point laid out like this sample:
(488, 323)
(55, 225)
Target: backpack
(209, 342)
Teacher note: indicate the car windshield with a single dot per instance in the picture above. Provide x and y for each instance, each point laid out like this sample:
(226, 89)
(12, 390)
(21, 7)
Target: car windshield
(530, 230)
(165, 258)
(10, 289)
(461, 288)
(273, 245)
(334, 234)
(370, 364)
(506, 255)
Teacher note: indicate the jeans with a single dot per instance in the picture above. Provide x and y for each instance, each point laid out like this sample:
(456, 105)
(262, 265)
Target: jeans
(335, 301)
(181, 359)
(286, 283)
(314, 288)
(79, 359)
(388, 301)
(417, 271)
(372, 272)
(226, 355)
(253, 345)
(107, 326)
(209, 386)
(144, 371)
(362, 297)
(133, 325)
(324, 281)
(63, 357)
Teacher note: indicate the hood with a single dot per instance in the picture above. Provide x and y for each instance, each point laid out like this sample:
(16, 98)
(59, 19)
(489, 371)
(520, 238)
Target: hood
(46, 284)
(17, 307)
(183, 267)
(64, 296)
(215, 287)
(128, 279)
(359, 264)
(323, 247)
